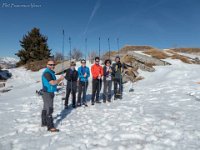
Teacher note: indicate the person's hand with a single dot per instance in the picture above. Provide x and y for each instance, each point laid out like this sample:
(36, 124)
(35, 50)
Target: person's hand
(85, 75)
(61, 77)
(99, 77)
(110, 70)
(61, 84)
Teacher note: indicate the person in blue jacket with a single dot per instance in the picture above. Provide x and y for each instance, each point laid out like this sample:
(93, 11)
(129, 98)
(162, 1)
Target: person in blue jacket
(83, 74)
(49, 86)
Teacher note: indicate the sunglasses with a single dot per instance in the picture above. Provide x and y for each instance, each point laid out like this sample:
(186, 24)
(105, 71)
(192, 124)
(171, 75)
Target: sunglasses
(51, 64)
(83, 62)
(96, 61)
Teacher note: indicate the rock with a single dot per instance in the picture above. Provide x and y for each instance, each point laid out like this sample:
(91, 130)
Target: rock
(62, 67)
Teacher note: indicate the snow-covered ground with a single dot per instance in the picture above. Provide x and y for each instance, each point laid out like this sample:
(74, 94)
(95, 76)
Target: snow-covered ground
(10, 60)
(162, 113)
(190, 55)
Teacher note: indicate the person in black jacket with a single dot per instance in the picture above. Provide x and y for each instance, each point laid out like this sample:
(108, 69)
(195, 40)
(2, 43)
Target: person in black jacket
(107, 80)
(71, 77)
(117, 78)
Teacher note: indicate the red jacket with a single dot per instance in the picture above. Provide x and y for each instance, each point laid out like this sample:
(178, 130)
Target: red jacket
(96, 71)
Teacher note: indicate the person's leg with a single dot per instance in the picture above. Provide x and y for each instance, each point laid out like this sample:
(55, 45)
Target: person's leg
(44, 110)
(104, 90)
(98, 87)
(85, 85)
(74, 88)
(109, 90)
(120, 88)
(93, 90)
(68, 91)
(80, 90)
(49, 102)
(115, 88)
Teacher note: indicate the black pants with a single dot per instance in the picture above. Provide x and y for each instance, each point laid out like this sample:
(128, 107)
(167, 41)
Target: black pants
(71, 88)
(118, 87)
(96, 88)
(47, 111)
(82, 89)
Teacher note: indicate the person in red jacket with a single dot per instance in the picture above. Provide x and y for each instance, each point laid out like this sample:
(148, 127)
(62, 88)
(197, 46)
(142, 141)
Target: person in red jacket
(97, 74)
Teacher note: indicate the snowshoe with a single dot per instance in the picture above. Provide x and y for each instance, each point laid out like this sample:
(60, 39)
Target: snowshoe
(131, 90)
(109, 100)
(85, 105)
(98, 102)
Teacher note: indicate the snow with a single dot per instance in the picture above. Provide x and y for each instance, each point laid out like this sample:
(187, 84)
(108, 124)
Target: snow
(142, 53)
(162, 113)
(10, 60)
(190, 55)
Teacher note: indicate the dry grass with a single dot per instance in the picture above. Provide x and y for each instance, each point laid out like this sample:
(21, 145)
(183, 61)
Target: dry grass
(127, 59)
(157, 54)
(37, 65)
(170, 51)
(112, 54)
(135, 48)
(150, 64)
(182, 58)
(187, 50)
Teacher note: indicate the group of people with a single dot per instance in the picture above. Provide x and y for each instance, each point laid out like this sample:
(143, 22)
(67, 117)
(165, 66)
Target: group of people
(78, 79)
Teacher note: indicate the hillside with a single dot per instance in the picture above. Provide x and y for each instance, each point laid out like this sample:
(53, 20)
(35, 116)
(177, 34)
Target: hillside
(187, 50)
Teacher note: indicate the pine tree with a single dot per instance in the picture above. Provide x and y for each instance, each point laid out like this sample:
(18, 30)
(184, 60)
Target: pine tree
(34, 47)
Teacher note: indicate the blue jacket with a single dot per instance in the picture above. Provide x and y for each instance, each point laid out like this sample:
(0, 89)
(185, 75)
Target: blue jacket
(81, 72)
(47, 87)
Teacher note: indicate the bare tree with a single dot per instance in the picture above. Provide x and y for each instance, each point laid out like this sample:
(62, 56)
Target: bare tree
(58, 56)
(76, 54)
(92, 55)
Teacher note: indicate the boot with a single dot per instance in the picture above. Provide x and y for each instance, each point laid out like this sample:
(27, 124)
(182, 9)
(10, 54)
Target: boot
(50, 124)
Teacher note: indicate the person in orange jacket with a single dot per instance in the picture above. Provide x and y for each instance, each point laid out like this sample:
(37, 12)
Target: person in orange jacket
(97, 74)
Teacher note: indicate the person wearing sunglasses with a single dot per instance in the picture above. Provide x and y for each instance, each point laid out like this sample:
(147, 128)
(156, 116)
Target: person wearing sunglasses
(72, 78)
(97, 73)
(83, 74)
(49, 84)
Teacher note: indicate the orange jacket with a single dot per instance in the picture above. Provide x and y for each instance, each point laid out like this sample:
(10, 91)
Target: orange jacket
(96, 70)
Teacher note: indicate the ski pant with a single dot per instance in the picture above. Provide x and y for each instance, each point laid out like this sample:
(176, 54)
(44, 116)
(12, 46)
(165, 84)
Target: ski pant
(82, 89)
(96, 88)
(118, 87)
(107, 89)
(47, 109)
(71, 88)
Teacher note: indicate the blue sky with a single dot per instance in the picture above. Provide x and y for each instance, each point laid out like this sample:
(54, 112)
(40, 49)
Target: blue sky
(159, 23)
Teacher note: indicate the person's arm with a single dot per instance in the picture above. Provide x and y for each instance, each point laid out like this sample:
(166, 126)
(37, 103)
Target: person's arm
(76, 75)
(104, 71)
(88, 72)
(93, 72)
(113, 68)
(80, 73)
(198, 82)
(55, 82)
(112, 73)
(101, 72)
(50, 79)
(68, 76)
